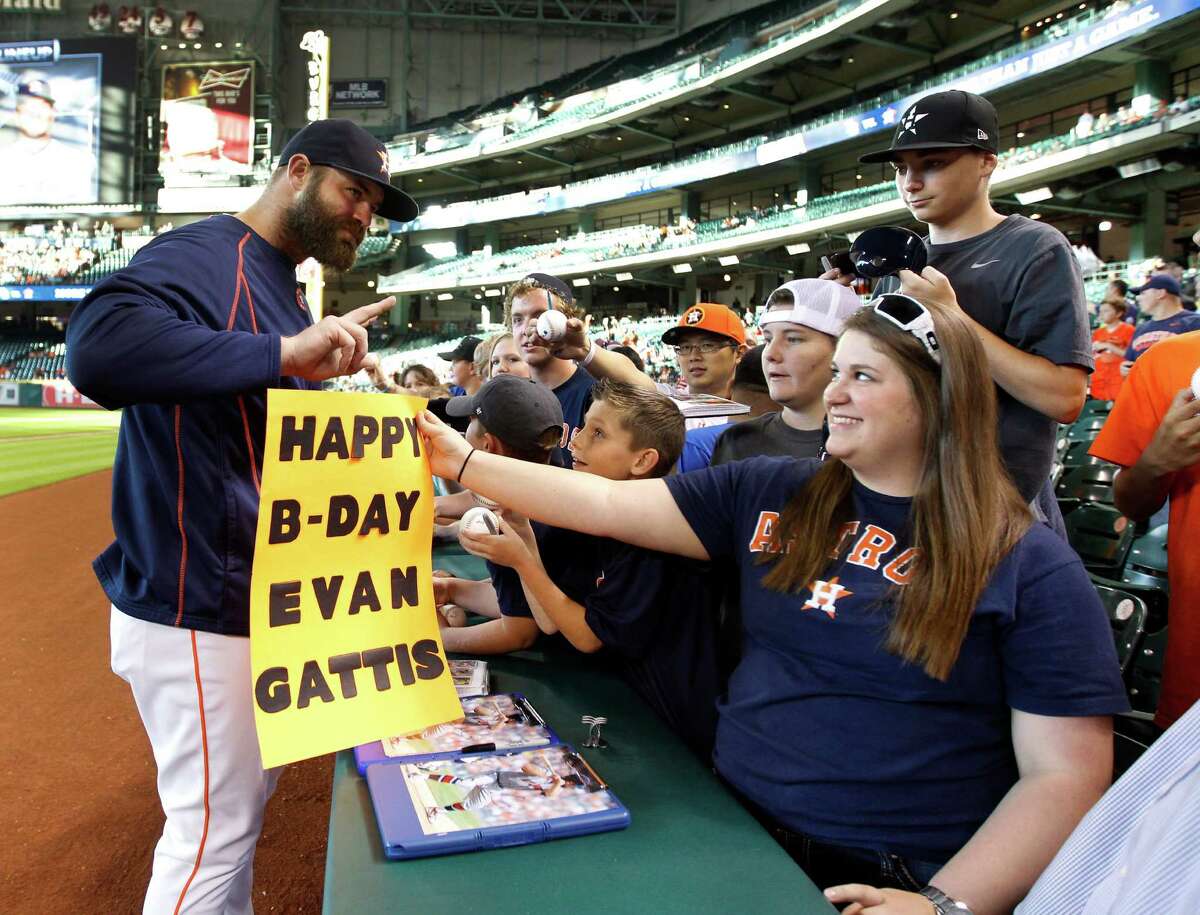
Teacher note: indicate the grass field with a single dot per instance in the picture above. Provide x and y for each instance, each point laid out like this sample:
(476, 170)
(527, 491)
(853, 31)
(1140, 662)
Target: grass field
(41, 446)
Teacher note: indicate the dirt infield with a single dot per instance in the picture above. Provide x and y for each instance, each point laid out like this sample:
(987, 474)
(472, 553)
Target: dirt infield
(80, 815)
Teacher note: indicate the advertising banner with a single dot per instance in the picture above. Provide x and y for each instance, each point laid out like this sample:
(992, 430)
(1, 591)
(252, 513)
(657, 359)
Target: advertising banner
(207, 119)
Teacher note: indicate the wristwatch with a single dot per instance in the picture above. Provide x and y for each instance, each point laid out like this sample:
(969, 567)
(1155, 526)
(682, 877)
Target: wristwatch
(943, 904)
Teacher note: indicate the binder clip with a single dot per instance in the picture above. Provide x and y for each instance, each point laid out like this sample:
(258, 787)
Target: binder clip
(594, 723)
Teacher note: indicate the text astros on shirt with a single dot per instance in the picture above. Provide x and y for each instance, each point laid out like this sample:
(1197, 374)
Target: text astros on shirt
(873, 548)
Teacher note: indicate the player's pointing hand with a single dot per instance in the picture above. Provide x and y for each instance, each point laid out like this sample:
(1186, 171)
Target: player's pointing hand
(335, 345)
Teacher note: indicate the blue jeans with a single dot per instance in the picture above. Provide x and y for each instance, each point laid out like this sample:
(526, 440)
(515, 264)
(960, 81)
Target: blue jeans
(832, 865)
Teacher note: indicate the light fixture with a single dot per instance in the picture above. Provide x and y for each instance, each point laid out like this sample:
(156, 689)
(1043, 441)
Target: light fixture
(1059, 16)
(1037, 195)
(726, 106)
(237, 44)
(1139, 167)
(1039, 23)
(624, 277)
(491, 293)
(616, 288)
(479, 295)
(619, 139)
(370, 284)
(1020, 134)
(858, 177)
(953, 15)
(441, 249)
(444, 296)
(183, 45)
(686, 118)
(197, 46)
(218, 45)
(726, 277)
(519, 162)
(581, 281)
(728, 260)
(1104, 226)
(410, 325)
(799, 248)
(849, 60)
(1035, 215)
(682, 268)
(733, 203)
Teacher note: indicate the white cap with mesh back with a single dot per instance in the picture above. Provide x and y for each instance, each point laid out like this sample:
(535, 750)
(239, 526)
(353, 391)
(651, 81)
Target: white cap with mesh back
(820, 304)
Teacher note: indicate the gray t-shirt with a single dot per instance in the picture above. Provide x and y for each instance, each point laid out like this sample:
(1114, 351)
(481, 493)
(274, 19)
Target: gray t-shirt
(1021, 281)
(767, 435)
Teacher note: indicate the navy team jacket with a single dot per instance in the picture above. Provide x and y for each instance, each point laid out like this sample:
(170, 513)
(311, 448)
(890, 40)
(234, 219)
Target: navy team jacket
(186, 340)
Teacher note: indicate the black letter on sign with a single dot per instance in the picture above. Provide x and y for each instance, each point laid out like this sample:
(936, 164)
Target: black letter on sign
(344, 665)
(285, 521)
(407, 677)
(393, 434)
(277, 699)
(291, 438)
(343, 516)
(404, 587)
(375, 517)
(428, 661)
(333, 441)
(364, 594)
(285, 598)
(413, 436)
(378, 659)
(405, 501)
(312, 686)
(366, 430)
(327, 591)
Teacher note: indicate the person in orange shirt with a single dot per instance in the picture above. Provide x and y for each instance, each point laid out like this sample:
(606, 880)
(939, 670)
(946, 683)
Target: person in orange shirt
(1109, 342)
(1153, 432)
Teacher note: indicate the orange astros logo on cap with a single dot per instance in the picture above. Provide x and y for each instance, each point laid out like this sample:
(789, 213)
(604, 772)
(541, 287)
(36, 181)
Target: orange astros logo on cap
(709, 317)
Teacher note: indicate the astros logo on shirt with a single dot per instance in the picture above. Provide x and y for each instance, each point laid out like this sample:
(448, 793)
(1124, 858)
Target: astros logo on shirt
(825, 595)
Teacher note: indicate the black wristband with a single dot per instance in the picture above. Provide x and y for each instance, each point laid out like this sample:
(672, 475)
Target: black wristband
(463, 468)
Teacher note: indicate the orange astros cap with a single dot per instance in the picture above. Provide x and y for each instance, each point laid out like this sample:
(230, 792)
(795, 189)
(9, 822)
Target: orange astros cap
(716, 319)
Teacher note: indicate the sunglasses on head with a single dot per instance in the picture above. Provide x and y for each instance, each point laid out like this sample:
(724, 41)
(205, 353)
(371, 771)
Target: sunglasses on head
(886, 250)
(910, 316)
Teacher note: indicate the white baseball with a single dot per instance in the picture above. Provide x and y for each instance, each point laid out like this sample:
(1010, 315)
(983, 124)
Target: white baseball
(480, 520)
(552, 326)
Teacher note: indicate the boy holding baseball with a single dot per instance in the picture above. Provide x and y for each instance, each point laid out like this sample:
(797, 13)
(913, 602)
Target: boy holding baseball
(656, 612)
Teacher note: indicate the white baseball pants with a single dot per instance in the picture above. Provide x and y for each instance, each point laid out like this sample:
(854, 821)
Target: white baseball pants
(192, 691)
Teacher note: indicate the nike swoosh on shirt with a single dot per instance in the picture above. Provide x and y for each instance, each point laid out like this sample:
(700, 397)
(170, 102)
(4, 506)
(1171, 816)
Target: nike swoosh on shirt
(994, 260)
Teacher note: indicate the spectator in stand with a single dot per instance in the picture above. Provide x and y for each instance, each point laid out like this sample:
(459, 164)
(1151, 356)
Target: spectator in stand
(1153, 433)
(1017, 280)
(1159, 298)
(417, 378)
(464, 379)
(1109, 342)
(506, 358)
(708, 341)
(1175, 270)
(1117, 292)
(631, 354)
(801, 324)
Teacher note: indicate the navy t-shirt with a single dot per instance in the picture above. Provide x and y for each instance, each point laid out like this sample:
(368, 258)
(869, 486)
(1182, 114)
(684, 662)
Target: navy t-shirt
(575, 396)
(658, 612)
(1152, 332)
(839, 739)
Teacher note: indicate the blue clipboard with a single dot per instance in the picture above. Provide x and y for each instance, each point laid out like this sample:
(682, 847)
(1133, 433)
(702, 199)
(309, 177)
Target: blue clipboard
(473, 803)
(497, 723)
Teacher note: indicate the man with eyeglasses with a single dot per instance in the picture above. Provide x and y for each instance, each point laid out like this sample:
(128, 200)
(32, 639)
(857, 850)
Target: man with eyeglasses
(1015, 278)
(708, 342)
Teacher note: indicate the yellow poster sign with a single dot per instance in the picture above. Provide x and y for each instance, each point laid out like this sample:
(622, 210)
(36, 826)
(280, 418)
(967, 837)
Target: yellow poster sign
(344, 643)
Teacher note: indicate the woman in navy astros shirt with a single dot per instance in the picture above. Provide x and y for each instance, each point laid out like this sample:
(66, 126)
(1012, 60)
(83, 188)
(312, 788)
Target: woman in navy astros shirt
(921, 712)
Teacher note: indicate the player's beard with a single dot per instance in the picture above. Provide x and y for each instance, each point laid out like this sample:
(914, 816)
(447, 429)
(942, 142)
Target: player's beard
(317, 232)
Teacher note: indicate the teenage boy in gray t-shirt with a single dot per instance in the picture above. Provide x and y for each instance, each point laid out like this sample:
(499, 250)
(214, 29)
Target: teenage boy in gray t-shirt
(1016, 278)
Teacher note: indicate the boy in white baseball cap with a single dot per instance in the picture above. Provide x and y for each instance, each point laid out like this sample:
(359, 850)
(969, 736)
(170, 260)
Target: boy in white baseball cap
(802, 321)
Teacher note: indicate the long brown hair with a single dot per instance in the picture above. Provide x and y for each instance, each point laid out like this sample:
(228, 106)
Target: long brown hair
(966, 513)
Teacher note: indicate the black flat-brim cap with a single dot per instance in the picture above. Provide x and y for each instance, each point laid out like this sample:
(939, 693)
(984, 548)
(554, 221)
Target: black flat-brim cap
(342, 144)
(953, 119)
(516, 410)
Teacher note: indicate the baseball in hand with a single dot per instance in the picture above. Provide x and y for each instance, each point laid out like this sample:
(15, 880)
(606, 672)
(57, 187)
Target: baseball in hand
(552, 326)
(480, 520)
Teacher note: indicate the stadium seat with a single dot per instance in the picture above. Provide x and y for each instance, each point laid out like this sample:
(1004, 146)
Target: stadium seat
(1077, 455)
(1094, 408)
(1088, 483)
(1147, 563)
(1127, 613)
(1102, 537)
(1145, 673)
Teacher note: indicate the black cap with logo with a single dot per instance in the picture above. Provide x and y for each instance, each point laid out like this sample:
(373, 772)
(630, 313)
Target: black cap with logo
(343, 145)
(464, 350)
(516, 410)
(943, 120)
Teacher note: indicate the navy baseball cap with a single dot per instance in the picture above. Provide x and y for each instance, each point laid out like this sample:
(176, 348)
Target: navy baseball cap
(949, 119)
(343, 145)
(518, 411)
(464, 350)
(559, 287)
(34, 86)
(1163, 281)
